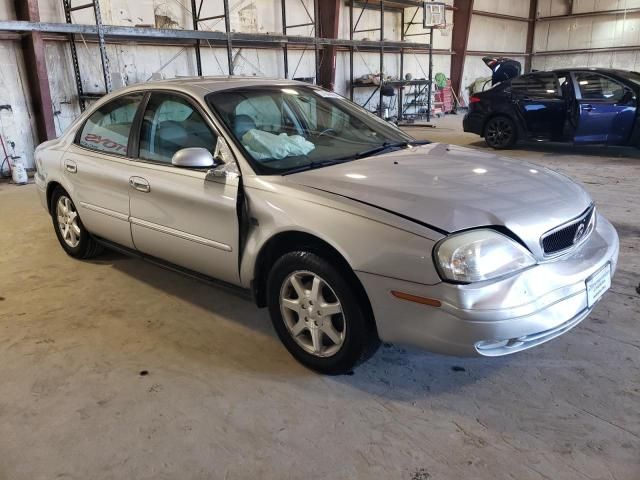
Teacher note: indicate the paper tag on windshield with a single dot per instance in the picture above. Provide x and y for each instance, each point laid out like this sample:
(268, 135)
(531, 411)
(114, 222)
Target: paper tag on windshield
(326, 94)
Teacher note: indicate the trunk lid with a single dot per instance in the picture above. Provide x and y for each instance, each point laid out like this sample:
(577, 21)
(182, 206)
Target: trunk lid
(503, 68)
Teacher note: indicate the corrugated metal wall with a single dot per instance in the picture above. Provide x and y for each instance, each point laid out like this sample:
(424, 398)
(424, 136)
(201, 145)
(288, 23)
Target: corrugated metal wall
(578, 33)
(137, 63)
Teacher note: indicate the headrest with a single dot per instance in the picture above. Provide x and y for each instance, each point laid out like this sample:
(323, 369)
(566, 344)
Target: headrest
(242, 124)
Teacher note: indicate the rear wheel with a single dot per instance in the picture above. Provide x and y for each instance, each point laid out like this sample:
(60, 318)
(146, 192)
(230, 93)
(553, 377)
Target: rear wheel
(500, 133)
(73, 237)
(318, 315)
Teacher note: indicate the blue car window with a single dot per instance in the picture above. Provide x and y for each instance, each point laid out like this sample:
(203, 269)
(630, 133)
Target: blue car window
(594, 86)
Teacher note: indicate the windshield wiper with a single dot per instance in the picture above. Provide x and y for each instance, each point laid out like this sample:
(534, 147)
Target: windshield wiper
(366, 153)
(314, 165)
(386, 146)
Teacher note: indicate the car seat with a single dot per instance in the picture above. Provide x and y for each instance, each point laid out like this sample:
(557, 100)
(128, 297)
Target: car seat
(242, 124)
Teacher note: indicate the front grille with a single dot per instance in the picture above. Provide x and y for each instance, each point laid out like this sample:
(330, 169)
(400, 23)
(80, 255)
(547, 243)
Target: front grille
(566, 236)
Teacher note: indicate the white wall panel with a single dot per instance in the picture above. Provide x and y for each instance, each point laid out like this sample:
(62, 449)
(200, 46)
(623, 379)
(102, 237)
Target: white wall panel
(7, 10)
(588, 32)
(548, 8)
(517, 8)
(497, 35)
(584, 6)
(16, 116)
(622, 60)
(370, 19)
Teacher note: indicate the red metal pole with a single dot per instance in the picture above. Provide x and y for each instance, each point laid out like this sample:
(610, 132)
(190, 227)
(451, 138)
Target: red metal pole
(37, 77)
(329, 23)
(459, 39)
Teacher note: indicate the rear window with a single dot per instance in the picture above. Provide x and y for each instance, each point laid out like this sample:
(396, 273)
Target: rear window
(538, 85)
(107, 129)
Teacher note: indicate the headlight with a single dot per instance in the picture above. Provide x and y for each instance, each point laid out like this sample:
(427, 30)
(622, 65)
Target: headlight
(479, 255)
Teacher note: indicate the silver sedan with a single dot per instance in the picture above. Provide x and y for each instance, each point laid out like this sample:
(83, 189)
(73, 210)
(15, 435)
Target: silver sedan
(346, 228)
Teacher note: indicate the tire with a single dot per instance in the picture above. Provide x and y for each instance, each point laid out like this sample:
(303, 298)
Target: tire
(299, 286)
(72, 235)
(500, 132)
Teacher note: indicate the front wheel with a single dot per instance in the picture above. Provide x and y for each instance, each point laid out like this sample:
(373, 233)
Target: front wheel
(500, 133)
(318, 315)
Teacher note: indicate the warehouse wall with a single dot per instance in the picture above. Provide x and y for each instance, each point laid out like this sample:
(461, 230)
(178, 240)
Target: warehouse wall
(608, 31)
(494, 35)
(369, 63)
(134, 63)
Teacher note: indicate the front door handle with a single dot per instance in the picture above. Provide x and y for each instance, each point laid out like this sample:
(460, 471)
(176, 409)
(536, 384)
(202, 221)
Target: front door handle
(140, 184)
(587, 108)
(70, 166)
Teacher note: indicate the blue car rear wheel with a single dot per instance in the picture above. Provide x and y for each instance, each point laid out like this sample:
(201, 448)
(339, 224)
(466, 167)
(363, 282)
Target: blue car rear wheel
(500, 133)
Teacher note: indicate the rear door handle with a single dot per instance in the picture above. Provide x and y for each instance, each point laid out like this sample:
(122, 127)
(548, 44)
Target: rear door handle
(587, 107)
(140, 184)
(70, 166)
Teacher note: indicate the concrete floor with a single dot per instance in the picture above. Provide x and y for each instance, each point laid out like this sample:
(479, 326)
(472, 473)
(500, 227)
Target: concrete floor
(223, 399)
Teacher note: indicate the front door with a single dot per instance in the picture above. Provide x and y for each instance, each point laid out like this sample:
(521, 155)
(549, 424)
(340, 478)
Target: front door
(540, 104)
(176, 214)
(98, 163)
(605, 111)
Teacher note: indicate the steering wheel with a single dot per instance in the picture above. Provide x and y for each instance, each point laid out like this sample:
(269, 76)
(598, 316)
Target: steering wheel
(325, 131)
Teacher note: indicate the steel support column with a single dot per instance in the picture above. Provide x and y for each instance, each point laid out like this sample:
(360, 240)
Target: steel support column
(37, 77)
(531, 30)
(459, 40)
(329, 23)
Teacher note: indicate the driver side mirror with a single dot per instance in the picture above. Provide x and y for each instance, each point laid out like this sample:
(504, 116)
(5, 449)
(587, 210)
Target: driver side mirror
(193, 157)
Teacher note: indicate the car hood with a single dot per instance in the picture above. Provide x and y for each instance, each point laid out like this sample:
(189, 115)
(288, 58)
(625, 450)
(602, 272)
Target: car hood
(452, 188)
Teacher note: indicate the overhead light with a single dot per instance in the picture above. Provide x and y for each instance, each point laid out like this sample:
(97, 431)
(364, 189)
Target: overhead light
(289, 91)
(357, 176)
(583, 82)
(479, 171)
(533, 170)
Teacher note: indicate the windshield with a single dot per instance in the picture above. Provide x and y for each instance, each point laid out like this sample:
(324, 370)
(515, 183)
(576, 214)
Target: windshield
(291, 127)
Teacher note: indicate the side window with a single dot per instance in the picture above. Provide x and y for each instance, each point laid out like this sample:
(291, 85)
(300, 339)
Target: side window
(537, 85)
(107, 129)
(171, 123)
(594, 86)
(564, 80)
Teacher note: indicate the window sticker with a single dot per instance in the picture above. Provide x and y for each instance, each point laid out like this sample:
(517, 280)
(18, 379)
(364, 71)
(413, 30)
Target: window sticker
(326, 94)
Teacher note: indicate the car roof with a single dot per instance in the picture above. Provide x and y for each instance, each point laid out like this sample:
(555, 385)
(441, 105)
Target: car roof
(213, 83)
(614, 71)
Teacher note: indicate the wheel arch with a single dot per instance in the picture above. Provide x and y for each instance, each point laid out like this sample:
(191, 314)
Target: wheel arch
(295, 240)
(51, 186)
(497, 114)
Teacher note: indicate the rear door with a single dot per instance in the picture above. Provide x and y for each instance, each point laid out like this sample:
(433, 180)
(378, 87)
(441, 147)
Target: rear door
(540, 104)
(177, 215)
(98, 168)
(605, 112)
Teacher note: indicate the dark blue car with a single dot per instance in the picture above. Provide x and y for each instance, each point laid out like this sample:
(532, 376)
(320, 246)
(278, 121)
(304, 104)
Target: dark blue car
(577, 105)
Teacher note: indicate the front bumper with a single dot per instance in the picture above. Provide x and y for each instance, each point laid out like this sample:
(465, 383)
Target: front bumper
(495, 317)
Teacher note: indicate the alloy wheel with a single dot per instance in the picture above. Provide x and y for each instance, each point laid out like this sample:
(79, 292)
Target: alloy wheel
(312, 313)
(499, 133)
(67, 218)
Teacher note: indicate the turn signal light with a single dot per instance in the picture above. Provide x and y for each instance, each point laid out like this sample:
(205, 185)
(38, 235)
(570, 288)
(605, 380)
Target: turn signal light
(432, 302)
